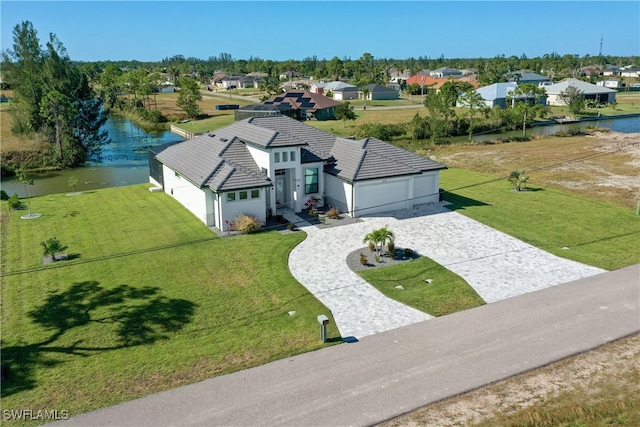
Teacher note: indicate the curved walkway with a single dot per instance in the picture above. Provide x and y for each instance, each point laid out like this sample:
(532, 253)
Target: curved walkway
(496, 265)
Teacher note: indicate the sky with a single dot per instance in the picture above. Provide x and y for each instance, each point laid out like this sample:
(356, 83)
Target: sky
(281, 30)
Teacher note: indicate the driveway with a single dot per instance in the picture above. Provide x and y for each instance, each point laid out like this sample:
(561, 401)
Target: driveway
(496, 265)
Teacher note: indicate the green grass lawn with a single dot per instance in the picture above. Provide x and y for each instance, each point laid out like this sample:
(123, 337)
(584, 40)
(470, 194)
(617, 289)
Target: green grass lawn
(447, 293)
(596, 233)
(151, 299)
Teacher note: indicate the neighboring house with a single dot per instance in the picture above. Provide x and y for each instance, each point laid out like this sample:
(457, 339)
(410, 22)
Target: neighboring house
(445, 72)
(611, 83)
(262, 165)
(496, 95)
(591, 92)
(346, 93)
(305, 105)
(378, 92)
(317, 87)
(436, 83)
(396, 75)
(630, 72)
(526, 77)
(611, 70)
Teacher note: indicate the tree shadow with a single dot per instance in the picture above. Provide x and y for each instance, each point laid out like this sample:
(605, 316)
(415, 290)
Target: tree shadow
(136, 316)
(459, 202)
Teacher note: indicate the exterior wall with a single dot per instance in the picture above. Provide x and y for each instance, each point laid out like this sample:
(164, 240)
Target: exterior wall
(383, 95)
(338, 193)
(301, 196)
(229, 210)
(426, 188)
(345, 95)
(195, 199)
(553, 99)
(325, 114)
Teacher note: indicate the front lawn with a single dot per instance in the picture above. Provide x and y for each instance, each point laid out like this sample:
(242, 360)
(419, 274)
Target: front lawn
(585, 230)
(150, 299)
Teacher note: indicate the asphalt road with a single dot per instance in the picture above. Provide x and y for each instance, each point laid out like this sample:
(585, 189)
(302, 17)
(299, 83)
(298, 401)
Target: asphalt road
(391, 373)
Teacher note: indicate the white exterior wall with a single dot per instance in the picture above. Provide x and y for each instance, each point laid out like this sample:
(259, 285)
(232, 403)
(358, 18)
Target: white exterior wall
(338, 193)
(231, 209)
(301, 197)
(426, 188)
(191, 197)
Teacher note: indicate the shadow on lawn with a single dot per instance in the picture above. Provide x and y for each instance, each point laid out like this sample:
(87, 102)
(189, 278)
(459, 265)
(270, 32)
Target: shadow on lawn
(460, 202)
(133, 316)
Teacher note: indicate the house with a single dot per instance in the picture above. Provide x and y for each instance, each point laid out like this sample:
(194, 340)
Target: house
(610, 83)
(436, 83)
(611, 70)
(496, 95)
(396, 75)
(444, 72)
(591, 92)
(306, 105)
(630, 71)
(340, 90)
(263, 165)
(526, 77)
(377, 92)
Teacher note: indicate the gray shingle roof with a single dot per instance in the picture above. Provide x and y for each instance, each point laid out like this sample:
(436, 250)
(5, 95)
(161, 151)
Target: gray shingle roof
(222, 161)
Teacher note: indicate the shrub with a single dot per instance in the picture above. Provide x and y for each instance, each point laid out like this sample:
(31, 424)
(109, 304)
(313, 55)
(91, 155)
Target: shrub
(52, 246)
(363, 259)
(14, 202)
(392, 253)
(4, 195)
(290, 227)
(247, 223)
(372, 246)
(391, 246)
(333, 213)
(408, 252)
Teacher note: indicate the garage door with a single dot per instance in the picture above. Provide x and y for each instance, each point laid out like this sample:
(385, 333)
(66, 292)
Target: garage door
(381, 196)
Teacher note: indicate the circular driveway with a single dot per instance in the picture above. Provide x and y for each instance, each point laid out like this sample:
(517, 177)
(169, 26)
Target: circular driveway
(495, 264)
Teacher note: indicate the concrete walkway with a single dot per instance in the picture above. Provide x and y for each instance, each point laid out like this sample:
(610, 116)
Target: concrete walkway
(496, 265)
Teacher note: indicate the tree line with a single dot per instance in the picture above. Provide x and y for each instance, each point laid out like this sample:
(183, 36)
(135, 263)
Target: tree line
(52, 99)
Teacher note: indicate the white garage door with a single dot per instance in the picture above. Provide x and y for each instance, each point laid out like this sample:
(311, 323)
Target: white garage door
(381, 196)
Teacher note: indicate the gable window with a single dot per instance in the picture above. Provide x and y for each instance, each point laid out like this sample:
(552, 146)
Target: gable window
(276, 157)
(231, 197)
(311, 180)
(285, 157)
(255, 194)
(243, 195)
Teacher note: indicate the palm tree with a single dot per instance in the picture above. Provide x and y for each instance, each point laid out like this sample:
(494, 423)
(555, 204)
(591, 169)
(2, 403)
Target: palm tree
(379, 238)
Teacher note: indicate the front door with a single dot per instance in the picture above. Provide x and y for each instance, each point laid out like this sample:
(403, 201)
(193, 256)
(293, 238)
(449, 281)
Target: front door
(282, 189)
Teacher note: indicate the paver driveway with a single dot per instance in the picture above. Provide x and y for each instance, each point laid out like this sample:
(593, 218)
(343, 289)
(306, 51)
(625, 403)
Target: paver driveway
(496, 265)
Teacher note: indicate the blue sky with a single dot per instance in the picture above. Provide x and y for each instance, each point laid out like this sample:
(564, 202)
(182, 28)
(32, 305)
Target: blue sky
(281, 30)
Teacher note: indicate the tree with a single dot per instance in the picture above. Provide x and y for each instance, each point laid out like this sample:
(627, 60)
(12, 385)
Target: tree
(345, 112)
(379, 238)
(473, 101)
(189, 97)
(526, 98)
(439, 113)
(72, 182)
(573, 97)
(58, 113)
(52, 246)
(518, 179)
(26, 181)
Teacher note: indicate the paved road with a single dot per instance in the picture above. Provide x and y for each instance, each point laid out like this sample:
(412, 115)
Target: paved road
(391, 373)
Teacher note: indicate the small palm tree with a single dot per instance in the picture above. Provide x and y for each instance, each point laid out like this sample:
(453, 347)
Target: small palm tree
(518, 179)
(52, 246)
(379, 238)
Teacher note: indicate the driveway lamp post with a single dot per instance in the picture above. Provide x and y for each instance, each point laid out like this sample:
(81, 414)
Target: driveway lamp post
(324, 321)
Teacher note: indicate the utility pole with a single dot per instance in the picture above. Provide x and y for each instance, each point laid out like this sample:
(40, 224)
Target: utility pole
(601, 37)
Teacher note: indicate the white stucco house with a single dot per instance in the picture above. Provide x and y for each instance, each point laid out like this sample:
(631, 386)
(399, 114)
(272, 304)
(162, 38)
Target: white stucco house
(262, 165)
(601, 94)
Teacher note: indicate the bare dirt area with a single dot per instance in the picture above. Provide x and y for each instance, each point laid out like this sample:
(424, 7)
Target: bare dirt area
(547, 396)
(601, 165)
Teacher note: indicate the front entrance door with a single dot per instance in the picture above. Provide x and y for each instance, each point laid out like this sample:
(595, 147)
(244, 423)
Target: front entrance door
(282, 189)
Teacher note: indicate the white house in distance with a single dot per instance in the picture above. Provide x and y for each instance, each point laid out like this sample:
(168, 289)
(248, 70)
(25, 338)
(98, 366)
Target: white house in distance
(262, 164)
(601, 94)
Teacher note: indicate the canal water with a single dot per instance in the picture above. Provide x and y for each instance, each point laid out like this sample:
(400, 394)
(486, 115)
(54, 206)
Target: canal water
(125, 159)
(124, 162)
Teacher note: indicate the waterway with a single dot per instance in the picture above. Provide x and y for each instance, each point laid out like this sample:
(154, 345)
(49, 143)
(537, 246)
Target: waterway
(125, 160)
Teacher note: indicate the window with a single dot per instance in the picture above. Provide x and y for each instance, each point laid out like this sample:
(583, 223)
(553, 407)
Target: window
(276, 157)
(285, 157)
(243, 195)
(311, 180)
(231, 197)
(255, 194)
(292, 156)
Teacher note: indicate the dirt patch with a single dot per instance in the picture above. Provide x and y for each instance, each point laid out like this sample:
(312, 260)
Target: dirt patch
(613, 365)
(602, 165)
